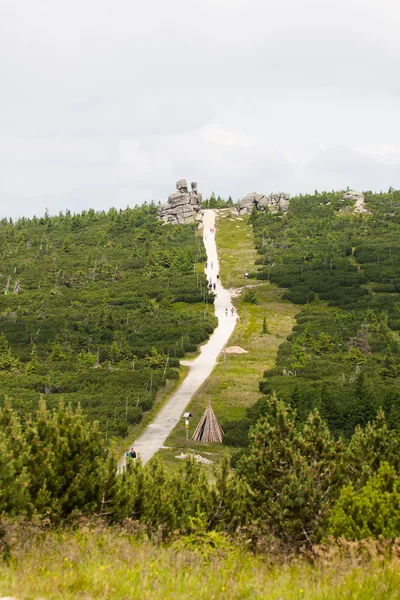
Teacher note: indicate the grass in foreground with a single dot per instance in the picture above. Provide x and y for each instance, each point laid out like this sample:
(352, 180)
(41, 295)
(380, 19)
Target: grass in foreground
(233, 384)
(111, 564)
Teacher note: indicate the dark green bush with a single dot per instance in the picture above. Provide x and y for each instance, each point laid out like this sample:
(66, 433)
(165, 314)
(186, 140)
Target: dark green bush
(250, 296)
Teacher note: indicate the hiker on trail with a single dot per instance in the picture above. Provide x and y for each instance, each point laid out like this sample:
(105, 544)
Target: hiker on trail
(212, 264)
(210, 286)
(232, 311)
(226, 312)
(127, 455)
(206, 265)
(214, 286)
(218, 277)
(210, 280)
(133, 453)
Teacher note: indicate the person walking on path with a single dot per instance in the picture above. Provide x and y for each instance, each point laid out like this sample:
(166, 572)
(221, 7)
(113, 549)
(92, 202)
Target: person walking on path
(232, 311)
(201, 367)
(212, 264)
(133, 453)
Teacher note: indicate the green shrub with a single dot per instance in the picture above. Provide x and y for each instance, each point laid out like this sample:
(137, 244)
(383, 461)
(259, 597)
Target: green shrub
(372, 512)
(99, 293)
(250, 297)
(292, 474)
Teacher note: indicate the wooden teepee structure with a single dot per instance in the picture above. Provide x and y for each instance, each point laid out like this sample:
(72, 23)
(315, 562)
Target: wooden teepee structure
(208, 429)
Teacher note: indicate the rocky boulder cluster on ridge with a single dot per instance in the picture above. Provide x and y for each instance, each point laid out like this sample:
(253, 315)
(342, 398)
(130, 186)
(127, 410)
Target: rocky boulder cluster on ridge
(182, 206)
(275, 202)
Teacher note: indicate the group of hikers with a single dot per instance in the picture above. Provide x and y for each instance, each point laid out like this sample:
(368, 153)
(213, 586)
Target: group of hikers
(212, 286)
(130, 454)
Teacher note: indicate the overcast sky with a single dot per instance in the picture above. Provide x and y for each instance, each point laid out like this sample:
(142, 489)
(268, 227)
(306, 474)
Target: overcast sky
(108, 102)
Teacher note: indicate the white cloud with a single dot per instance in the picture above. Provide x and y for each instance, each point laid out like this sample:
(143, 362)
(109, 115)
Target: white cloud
(387, 153)
(227, 137)
(111, 102)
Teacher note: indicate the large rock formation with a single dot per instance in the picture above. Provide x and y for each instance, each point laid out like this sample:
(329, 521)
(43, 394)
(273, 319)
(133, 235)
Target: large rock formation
(359, 197)
(275, 202)
(182, 206)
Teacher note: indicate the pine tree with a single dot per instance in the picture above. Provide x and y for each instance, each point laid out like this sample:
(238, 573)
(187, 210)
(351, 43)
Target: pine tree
(67, 246)
(127, 499)
(231, 498)
(212, 203)
(14, 492)
(14, 478)
(368, 447)
(371, 512)
(264, 327)
(364, 408)
(115, 351)
(390, 368)
(85, 361)
(67, 462)
(291, 474)
(299, 357)
(165, 502)
(57, 353)
(7, 361)
(33, 365)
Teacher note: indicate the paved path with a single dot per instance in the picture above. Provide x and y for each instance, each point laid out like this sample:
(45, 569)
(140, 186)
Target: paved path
(154, 436)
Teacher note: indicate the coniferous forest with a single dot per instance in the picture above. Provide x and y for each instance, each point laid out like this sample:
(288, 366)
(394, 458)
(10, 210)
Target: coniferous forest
(97, 308)
(343, 270)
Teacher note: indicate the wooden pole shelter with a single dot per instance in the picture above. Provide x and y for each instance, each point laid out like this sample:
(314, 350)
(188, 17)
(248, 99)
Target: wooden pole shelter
(208, 429)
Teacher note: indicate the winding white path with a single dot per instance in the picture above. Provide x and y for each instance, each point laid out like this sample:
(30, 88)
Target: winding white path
(154, 436)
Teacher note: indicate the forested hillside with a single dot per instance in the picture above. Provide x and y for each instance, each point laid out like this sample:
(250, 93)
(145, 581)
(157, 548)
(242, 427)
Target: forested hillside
(105, 322)
(97, 308)
(343, 356)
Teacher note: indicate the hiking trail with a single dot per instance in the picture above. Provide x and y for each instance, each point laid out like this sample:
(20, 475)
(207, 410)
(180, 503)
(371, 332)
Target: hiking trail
(154, 436)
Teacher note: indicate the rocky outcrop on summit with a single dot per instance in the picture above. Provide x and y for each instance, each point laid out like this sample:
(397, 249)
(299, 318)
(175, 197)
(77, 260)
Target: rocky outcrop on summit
(182, 206)
(359, 198)
(275, 202)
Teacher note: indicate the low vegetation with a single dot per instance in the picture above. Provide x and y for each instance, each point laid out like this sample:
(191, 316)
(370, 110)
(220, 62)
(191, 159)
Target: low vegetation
(343, 356)
(308, 507)
(98, 562)
(233, 384)
(216, 202)
(97, 308)
(295, 483)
